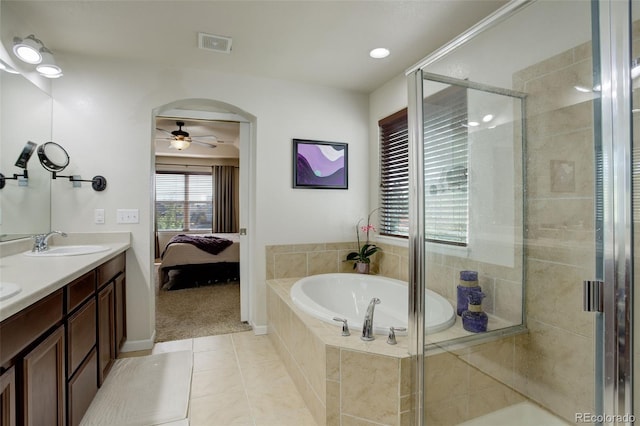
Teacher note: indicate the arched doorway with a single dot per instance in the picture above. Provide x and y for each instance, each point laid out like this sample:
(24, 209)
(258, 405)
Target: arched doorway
(208, 109)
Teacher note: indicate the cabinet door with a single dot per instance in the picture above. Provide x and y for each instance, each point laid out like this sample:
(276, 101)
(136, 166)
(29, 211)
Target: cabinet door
(44, 382)
(106, 331)
(83, 387)
(121, 308)
(8, 398)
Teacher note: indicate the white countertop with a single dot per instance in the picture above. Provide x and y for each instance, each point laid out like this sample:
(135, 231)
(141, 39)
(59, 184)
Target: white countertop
(40, 276)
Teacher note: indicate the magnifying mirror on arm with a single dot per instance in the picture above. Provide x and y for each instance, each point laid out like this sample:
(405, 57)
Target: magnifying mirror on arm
(55, 159)
(22, 161)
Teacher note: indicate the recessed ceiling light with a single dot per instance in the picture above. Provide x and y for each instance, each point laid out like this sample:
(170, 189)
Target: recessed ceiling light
(487, 118)
(473, 123)
(379, 53)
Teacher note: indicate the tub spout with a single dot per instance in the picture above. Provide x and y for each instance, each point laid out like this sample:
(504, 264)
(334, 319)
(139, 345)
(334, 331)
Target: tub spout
(367, 325)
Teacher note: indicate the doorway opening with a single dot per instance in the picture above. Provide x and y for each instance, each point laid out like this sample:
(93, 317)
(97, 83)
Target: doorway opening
(201, 153)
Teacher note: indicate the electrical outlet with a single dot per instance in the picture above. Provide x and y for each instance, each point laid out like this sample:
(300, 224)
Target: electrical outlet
(127, 216)
(98, 216)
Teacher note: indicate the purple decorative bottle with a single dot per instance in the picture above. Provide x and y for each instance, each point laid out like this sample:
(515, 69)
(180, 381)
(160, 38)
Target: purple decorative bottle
(468, 284)
(474, 319)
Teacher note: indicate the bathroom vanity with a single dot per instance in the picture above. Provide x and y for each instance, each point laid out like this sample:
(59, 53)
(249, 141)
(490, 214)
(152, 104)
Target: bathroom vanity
(56, 351)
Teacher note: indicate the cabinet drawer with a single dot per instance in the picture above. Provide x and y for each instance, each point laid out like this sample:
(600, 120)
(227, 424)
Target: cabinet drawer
(81, 334)
(20, 330)
(83, 387)
(108, 270)
(80, 290)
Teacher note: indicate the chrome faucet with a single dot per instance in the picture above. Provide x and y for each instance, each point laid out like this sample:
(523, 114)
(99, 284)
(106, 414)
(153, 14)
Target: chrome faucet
(367, 325)
(41, 241)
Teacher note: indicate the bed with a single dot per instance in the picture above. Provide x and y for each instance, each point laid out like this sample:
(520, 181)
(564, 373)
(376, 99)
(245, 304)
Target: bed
(181, 255)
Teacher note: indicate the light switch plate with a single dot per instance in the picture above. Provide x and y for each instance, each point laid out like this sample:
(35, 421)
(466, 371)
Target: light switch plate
(98, 216)
(127, 216)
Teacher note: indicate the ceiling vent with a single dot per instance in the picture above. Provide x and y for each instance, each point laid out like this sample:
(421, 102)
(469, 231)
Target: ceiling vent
(214, 43)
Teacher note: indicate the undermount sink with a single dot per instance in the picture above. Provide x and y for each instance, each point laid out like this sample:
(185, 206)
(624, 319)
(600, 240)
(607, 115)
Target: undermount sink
(9, 289)
(67, 251)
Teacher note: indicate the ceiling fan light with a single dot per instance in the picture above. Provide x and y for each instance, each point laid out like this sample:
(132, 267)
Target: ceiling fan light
(28, 49)
(180, 144)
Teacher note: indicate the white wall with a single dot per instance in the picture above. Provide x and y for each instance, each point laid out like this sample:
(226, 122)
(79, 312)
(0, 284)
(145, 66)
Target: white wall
(103, 117)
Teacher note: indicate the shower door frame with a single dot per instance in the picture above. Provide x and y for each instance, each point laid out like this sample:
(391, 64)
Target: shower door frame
(611, 37)
(614, 389)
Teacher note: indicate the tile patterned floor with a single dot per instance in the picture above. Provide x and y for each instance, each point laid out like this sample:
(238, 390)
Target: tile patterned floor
(238, 379)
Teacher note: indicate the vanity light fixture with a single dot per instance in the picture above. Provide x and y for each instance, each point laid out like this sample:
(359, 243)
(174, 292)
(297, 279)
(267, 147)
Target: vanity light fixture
(379, 53)
(33, 51)
(47, 67)
(28, 49)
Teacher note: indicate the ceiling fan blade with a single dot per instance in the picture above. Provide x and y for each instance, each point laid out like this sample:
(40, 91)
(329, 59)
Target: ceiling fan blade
(163, 130)
(207, 144)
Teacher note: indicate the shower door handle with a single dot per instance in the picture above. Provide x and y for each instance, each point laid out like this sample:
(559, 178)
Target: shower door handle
(593, 296)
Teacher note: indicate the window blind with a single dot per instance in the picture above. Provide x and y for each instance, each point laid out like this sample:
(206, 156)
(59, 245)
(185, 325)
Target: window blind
(184, 201)
(445, 166)
(394, 175)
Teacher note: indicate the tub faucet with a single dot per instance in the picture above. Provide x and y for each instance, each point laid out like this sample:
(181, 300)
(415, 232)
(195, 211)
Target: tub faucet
(41, 241)
(367, 326)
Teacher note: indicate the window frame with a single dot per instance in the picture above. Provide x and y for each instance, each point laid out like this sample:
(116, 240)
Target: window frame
(396, 126)
(186, 203)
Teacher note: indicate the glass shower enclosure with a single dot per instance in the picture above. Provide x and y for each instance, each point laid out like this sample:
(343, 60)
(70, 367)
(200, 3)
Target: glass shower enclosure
(520, 135)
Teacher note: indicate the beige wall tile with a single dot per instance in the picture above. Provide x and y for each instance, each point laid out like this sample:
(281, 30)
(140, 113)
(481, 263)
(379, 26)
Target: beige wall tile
(290, 265)
(348, 420)
(333, 363)
(333, 403)
(323, 262)
(370, 386)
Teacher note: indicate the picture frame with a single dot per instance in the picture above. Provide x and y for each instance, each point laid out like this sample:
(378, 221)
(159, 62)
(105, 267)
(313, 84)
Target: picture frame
(320, 164)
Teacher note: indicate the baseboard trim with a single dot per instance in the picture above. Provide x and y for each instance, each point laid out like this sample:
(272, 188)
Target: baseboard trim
(259, 329)
(139, 345)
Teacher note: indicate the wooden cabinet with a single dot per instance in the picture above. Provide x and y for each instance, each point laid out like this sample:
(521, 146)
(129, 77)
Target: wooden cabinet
(82, 381)
(8, 398)
(106, 331)
(111, 313)
(121, 307)
(82, 388)
(55, 353)
(43, 393)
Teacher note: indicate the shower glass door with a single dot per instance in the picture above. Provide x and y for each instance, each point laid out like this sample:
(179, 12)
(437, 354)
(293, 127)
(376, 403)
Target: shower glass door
(523, 181)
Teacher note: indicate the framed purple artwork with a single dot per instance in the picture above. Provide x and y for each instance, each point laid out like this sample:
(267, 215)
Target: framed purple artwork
(318, 164)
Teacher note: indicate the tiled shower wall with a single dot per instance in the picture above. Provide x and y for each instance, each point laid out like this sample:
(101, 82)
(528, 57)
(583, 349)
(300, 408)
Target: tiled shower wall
(553, 363)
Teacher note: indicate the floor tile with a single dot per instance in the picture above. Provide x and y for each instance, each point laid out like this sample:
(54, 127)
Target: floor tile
(239, 380)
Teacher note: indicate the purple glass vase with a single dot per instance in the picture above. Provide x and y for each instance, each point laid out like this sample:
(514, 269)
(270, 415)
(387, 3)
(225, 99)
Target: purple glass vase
(474, 319)
(468, 284)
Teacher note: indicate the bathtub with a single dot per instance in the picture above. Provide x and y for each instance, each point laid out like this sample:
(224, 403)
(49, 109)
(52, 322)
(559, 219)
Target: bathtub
(347, 295)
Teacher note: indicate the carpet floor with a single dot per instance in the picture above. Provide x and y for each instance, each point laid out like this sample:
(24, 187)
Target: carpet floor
(197, 312)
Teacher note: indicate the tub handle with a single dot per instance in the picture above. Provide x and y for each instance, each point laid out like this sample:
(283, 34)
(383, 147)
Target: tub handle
(345, 326)
(392, 334)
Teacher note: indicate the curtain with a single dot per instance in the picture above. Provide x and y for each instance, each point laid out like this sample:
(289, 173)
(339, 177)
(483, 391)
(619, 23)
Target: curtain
(224, 188)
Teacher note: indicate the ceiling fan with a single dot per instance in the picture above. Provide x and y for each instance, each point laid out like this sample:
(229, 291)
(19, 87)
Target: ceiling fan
(180, 139)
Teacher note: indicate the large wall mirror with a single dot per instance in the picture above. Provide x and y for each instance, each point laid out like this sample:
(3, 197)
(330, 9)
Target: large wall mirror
(25, 115)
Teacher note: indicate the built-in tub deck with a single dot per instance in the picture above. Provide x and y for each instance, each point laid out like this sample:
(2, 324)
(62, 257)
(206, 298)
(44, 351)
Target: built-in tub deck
(331, 334)
(344, 377)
